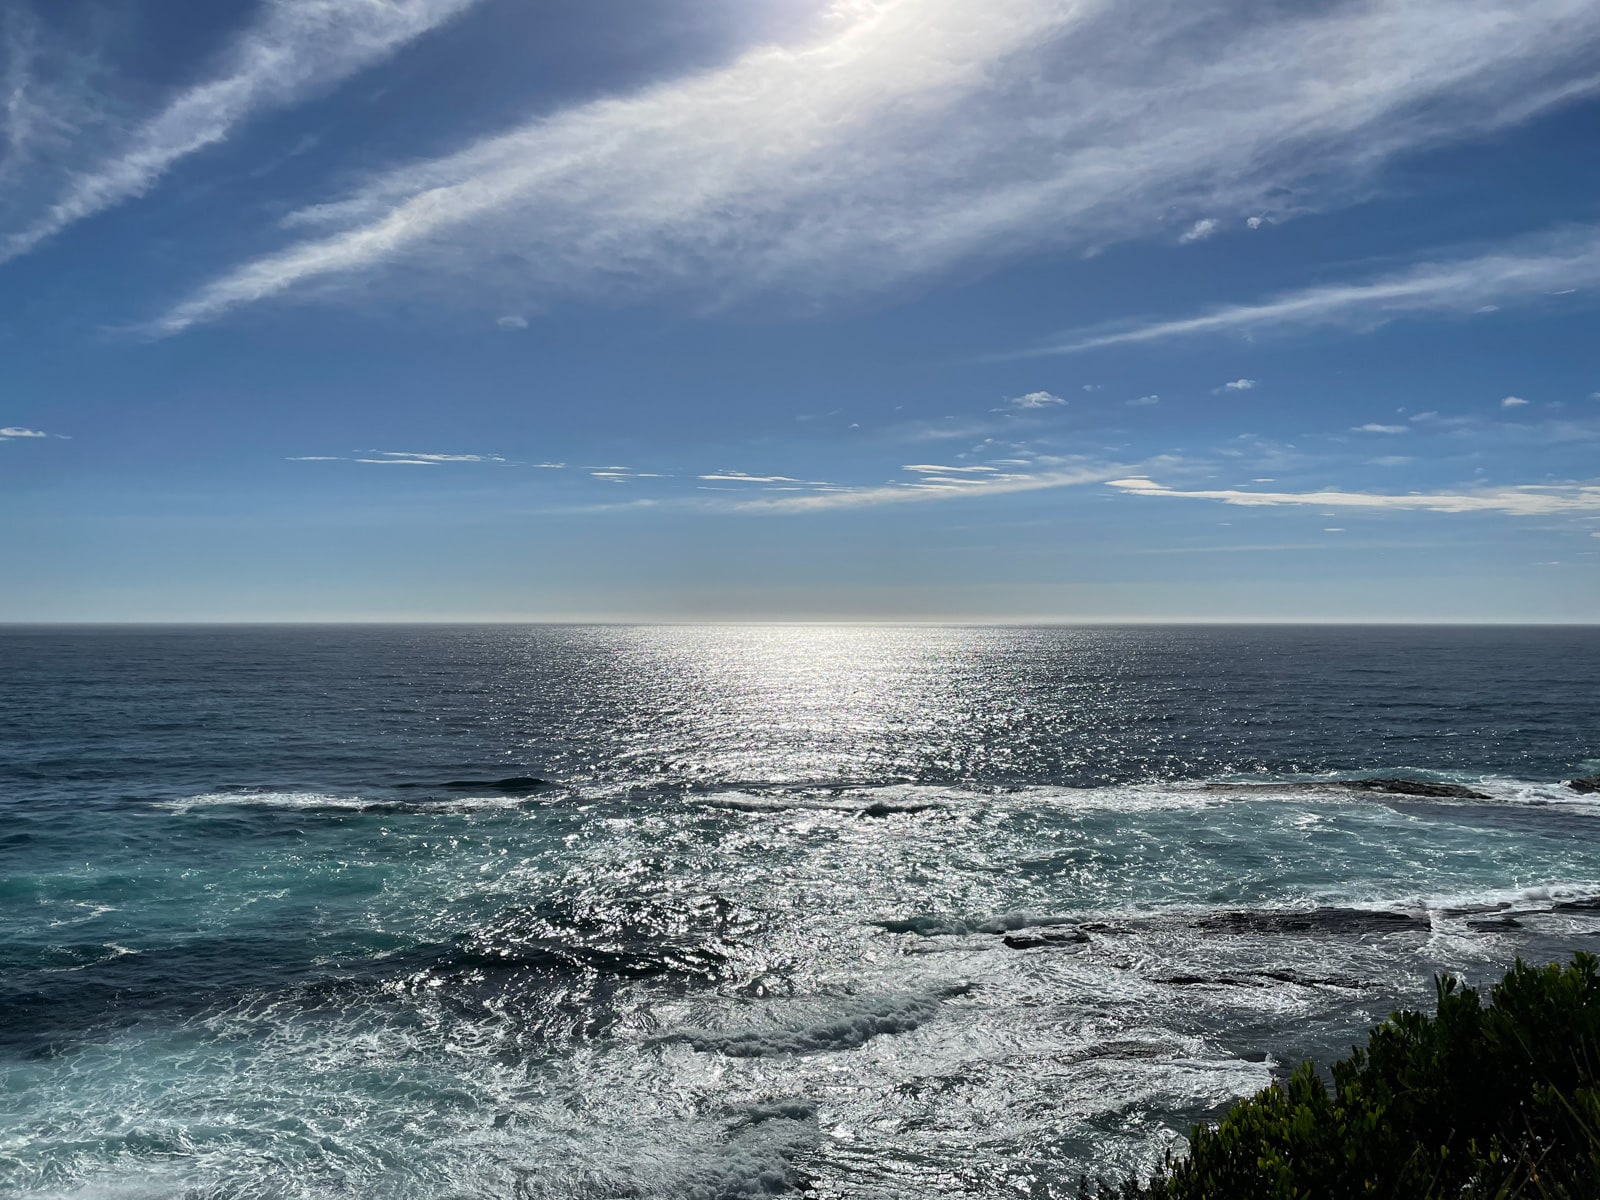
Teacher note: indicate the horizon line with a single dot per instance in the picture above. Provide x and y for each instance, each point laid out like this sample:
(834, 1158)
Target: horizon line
(686, 622)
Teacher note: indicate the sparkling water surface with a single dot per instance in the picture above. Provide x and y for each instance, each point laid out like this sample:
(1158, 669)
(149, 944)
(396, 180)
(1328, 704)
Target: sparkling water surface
(860, 911)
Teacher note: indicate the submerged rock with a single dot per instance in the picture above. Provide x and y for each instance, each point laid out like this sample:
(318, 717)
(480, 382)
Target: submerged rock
(1585, 784)
(1416, 787)
(1317, 920)
(1034, 938)
(1582, 904)
(883, 808)
(512, 785)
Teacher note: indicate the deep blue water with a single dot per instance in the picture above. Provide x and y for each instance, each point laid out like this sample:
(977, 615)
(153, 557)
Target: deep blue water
(797, 905)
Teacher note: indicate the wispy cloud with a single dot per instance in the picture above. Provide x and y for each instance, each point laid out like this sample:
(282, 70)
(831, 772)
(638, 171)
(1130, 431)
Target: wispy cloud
(837, 166)
(741, 477)
(1374, 427)
(295, 48)
(931, 488)
(1520, 272)
(1513, 402)
(47, 101)
(615, 474)
(1200, 230)
(408, 458)
(440, 458)
(9, 432)
(1035, 400)
(1528, 501)
(1239, 385)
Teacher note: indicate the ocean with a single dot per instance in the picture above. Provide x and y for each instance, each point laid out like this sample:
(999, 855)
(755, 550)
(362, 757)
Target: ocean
(830, 910)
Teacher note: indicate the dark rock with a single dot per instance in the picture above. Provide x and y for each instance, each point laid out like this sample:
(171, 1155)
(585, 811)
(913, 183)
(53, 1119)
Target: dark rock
(1345, 921)
(511, 786)
(1416, 787)
(1300, 980)
(1587, 904)
(1034, 938)
(1257, 979)
(1585, 784)
(880, 808)
(1492, 924)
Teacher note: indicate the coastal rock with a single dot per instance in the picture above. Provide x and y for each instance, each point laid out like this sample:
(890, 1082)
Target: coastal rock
(1346, 921)
(1586, 784)
(882, 808)
(511, 786)
(1583, 904)
(1416, 787)
(1034, 938)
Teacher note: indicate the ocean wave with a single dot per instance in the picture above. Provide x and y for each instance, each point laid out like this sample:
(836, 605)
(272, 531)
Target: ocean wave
(819, 1026)
(882, 800)
(327, 801)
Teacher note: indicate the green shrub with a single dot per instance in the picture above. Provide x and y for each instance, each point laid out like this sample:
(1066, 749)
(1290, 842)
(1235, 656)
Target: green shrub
(1478, 1102)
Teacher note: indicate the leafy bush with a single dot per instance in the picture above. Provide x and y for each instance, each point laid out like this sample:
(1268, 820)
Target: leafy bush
(1478, 1102)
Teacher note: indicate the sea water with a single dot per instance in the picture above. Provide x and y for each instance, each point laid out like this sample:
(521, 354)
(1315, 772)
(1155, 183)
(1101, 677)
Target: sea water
(867, 911)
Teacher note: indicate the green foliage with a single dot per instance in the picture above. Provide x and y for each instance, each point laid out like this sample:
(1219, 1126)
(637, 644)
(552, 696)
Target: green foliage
(1497, 1101)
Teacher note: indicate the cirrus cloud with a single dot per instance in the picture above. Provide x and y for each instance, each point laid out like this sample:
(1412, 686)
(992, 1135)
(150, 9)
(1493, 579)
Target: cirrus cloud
(1522, 271)
(921, 135)
(295, 48)
(1526, 501)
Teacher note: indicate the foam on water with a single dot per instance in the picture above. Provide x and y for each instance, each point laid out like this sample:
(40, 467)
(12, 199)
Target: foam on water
(317, 801)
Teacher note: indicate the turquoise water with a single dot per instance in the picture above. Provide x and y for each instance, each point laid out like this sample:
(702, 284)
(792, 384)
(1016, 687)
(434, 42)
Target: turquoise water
(868, 911)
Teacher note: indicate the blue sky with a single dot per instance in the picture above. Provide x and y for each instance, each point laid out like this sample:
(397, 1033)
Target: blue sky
(870, 309)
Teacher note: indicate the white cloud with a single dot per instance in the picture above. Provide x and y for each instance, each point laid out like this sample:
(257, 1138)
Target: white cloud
(1374, 427)
(1532, 500)
(1240, 385)
(1255, 222)
(1200, 230)
(418, 456)
(928, 489)
(1512, 402)
(49, 99)
(294, 49)
(1144, 401)
(1035, 400)
(741, 477)
(16, 431)
(919, 135)
(935, 469)
(512, 321)
(403, 458)
(1520, 271)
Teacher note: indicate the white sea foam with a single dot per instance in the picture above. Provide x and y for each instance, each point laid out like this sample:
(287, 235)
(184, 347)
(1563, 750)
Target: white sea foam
(820, 1024)
(310, 801)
